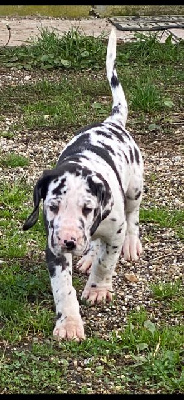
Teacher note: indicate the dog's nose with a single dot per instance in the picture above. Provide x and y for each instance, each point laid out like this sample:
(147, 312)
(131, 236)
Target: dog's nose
(70, 244)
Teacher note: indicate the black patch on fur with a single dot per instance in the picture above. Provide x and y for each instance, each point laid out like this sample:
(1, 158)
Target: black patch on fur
(105, 214)
(119, 230)
(107, 147)
(107, 194)
(77, 147)
(93, 285)
(51, 224)
(137, 195)
(116, 126)
(126, 158)
(54, 209)
(87, 128)
(86, 211)
(115, 110)
(131, 155)
(117, 134)
(59, 188)
(53, 262)
(59, 315)
(94, 187)
(114, 81)
(103, 194)
(52, 239)
(105, 134)
(95, 224)
(82, 222)
(136, 155)
(50, 263)
(107, 158)
(78, 160)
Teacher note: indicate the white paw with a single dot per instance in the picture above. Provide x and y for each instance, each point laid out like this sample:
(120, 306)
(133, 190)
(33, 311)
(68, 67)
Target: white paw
(84, 264)
(132, 248)
(97, 295)
(71, 328)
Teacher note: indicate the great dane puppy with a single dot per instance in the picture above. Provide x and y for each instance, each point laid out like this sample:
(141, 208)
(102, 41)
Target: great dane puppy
(91, 205)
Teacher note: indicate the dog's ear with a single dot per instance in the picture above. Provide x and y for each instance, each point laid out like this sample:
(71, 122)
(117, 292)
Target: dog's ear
(99, 188)
(40, 191)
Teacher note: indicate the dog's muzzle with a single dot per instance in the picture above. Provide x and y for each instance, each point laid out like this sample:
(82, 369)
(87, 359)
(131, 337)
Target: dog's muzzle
(69, 240)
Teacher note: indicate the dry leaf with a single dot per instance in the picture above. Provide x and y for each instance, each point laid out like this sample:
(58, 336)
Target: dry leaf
(131, 278)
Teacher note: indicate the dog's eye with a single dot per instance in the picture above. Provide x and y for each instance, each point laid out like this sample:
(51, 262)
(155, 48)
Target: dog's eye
(86, 210)
(54, 208)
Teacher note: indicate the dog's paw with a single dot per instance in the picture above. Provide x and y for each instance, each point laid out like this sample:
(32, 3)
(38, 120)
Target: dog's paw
(84, 264)
(132, 248)
(97, 295)
(71, 328)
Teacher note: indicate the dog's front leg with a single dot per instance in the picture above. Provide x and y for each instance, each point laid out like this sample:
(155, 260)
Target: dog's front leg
(99, 285)
(69, 323)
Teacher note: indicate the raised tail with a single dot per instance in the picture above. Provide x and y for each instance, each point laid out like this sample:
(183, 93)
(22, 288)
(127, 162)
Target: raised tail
(119, 106)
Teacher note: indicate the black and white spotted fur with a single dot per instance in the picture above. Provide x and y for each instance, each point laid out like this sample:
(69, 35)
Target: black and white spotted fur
(91, 205)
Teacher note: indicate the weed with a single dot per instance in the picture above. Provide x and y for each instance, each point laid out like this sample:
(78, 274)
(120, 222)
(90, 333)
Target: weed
(13, 160)
(165, 218)
(149, 49)
(166, 290)
(146, 97)
(73, 50)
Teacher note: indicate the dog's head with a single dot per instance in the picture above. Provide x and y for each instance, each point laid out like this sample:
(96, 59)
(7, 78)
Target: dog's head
(75, 201)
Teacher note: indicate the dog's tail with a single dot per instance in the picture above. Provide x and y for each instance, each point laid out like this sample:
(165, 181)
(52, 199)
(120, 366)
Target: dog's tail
(119, 107)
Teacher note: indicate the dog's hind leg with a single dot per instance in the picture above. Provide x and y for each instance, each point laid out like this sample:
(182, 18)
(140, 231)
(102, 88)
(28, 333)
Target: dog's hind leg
(132, 247)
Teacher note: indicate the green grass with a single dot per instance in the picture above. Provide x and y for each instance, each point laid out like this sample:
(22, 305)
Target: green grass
(146, 354)
(166, 290)
(13, 212)
(142, 352)
(151, 51)
(41, 103)
(49, 51)
(13, 160)
(76, 51)
(165, 218)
